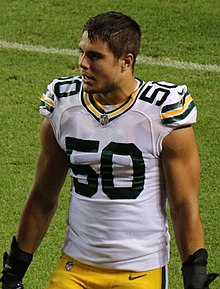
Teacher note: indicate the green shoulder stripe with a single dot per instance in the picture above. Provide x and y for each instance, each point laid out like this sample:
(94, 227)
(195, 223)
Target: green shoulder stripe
(176, 105)
(181, 116)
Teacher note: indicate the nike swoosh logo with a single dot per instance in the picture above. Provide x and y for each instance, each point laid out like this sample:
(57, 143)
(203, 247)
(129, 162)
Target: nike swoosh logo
(136, 277)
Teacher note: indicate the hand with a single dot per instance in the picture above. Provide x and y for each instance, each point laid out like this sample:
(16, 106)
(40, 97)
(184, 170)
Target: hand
(9, 280)
(194, 271)
(12, 285)
(199, 280)
(210, 277)
(15, 265)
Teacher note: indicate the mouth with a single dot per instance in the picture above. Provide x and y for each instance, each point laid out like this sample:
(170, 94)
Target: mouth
(86, 78)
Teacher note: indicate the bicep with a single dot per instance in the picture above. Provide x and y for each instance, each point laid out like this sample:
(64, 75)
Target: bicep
(42, 201)
(181, 166)
(52, 166)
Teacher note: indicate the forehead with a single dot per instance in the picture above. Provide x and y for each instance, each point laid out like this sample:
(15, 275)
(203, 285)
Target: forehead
(97, 45)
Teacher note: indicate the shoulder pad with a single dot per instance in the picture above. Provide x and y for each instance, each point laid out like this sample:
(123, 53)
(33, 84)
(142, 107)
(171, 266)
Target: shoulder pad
(47, 101)
(179, 108)
(58, 88)
(67, 86)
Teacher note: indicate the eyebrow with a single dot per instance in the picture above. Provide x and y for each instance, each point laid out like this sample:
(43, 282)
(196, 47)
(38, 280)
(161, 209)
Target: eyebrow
(92, 52)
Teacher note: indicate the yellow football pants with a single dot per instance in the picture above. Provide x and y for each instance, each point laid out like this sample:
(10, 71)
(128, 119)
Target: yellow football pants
(71, 274)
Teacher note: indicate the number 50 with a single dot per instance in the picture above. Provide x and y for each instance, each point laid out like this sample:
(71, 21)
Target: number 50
(106, 168)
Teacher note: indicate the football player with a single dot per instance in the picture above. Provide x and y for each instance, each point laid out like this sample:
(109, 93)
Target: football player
(129, 146)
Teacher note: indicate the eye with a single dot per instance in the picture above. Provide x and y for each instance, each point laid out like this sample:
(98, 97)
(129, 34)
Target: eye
(95, 56)
(80, 52)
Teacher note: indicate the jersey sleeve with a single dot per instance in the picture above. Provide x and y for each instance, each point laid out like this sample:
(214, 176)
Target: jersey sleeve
(179, 108)
(48, 108)
(56, 94)
(48, 100)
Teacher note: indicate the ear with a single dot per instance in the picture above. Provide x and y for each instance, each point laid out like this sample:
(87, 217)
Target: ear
(127, 61)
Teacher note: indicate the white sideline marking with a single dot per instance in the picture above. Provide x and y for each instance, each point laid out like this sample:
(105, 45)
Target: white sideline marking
(141, 59)
(37, 48)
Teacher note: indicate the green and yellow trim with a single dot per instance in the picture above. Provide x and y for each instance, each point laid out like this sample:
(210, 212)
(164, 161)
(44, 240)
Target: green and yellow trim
(97, 109)
(177, 111)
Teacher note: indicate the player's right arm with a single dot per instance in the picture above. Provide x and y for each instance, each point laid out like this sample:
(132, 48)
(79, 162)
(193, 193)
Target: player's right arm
(41, 204)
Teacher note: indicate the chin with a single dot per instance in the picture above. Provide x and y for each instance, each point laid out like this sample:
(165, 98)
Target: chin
(89, 89)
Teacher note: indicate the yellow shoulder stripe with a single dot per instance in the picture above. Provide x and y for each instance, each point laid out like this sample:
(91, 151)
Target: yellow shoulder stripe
(47, 100)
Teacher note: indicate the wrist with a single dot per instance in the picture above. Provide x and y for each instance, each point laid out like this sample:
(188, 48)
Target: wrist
(200, 257)
(16, 262)
(194, 270)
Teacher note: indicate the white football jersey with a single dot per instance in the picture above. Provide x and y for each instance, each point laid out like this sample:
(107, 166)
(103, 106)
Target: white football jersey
(117, 216)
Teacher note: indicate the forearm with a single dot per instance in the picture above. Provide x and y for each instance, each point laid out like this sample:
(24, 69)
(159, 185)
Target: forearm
(187, 229)
(181, 168)
(35, 220)
(52, 167)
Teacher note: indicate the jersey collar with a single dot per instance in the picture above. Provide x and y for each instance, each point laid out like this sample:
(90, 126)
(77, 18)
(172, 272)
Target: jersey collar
(98, 112)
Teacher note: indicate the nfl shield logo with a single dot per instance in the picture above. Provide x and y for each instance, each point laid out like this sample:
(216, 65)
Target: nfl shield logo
(104, 119)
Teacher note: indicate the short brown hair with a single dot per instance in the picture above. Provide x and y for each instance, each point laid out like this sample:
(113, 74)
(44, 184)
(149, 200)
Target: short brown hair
(119, 31)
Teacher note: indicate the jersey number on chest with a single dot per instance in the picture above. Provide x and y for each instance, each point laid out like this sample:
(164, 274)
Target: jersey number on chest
(106, 168)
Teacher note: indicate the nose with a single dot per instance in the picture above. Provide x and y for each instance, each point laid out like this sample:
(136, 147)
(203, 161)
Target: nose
(83, 61)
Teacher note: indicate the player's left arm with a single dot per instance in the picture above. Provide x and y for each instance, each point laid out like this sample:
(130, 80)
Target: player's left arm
(181, 166)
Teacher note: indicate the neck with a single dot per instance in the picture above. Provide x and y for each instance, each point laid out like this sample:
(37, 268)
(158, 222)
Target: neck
(119, 95)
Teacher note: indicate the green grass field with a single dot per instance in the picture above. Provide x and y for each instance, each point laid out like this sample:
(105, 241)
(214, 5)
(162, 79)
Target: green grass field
(182, 31)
